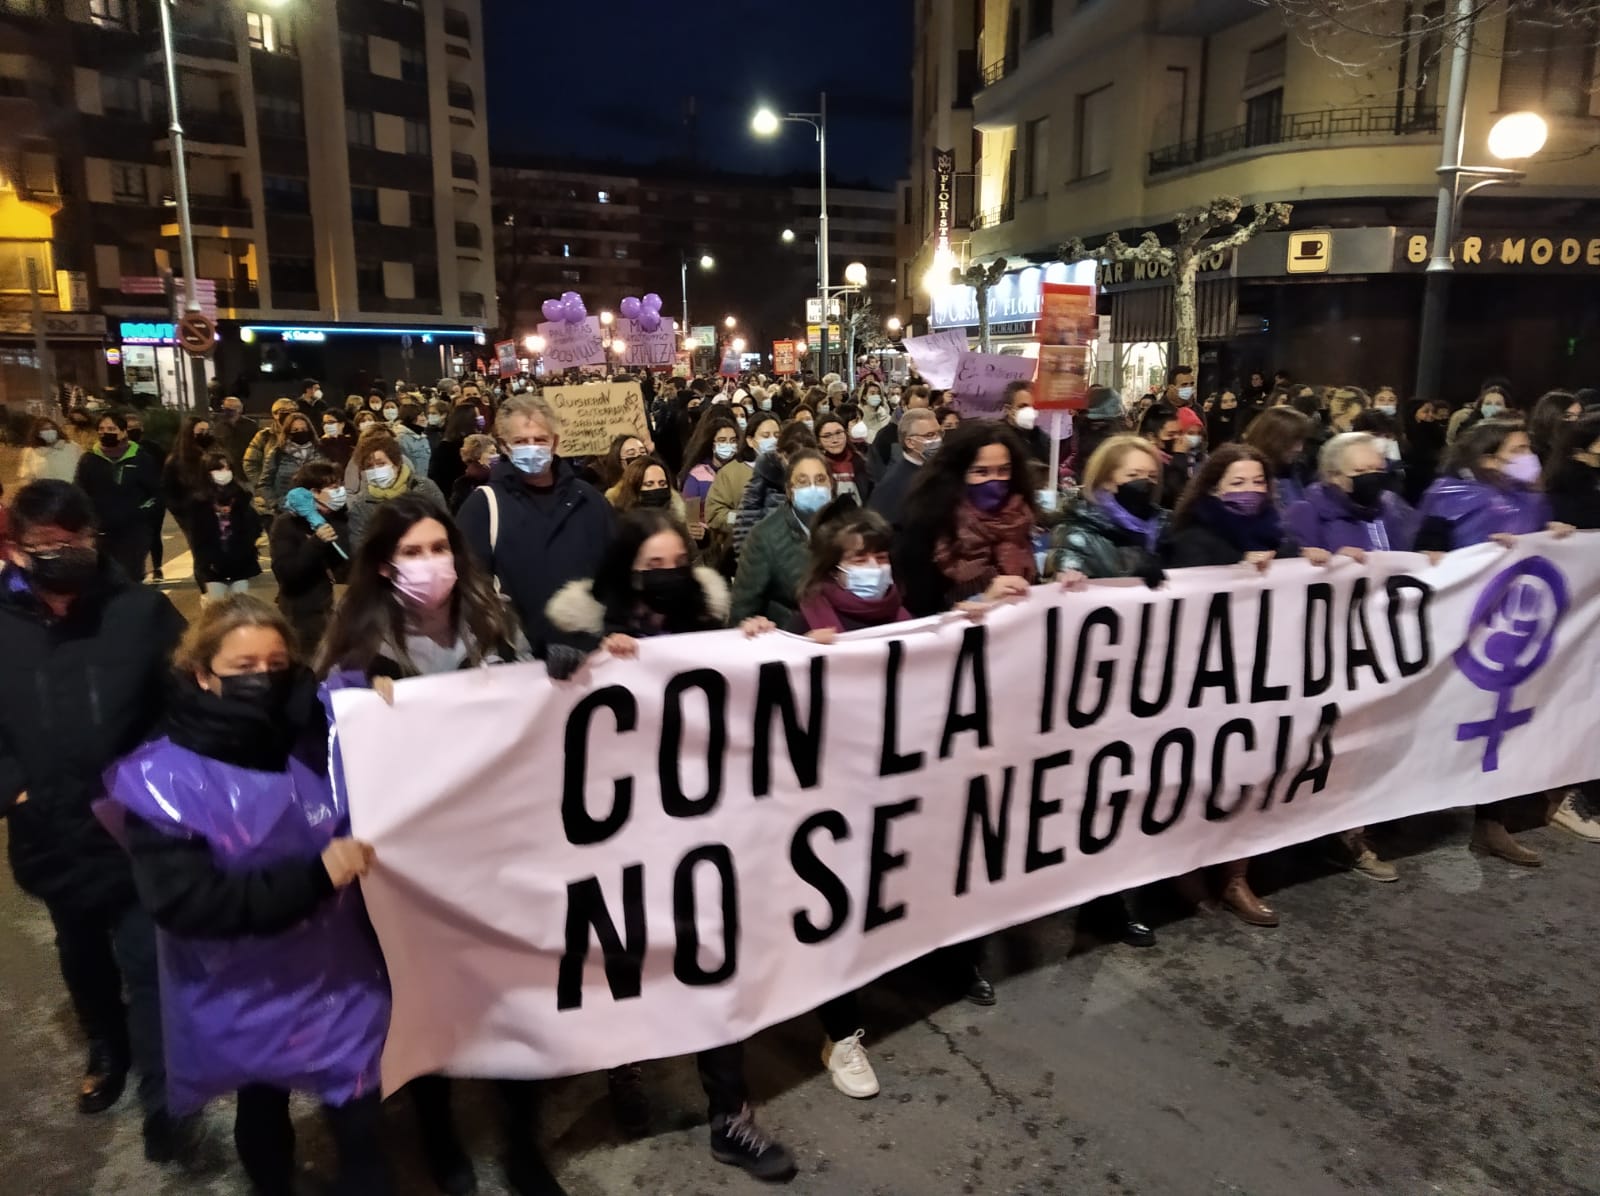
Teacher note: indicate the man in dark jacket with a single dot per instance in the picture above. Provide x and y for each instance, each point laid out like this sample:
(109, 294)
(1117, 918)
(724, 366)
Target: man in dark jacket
(124, 485)
(234, 432)
(535, 525)
(86, 655)
(880, 456)
(919, 435)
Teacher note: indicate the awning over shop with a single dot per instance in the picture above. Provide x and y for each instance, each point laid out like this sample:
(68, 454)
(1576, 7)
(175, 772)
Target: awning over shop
(1150, 313)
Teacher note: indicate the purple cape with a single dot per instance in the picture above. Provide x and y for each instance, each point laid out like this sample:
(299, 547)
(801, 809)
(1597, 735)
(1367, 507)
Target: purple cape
(305, 1010)
(1326, 518)
(1476, 510)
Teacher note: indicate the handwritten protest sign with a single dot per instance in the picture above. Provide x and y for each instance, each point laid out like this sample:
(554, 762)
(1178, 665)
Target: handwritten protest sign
(647, 350)
(936, 354)
(1067, 325)
(978, 388)
(595, 412)
(569, 346)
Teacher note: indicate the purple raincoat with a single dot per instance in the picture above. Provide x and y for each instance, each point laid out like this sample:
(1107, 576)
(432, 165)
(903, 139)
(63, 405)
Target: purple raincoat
(1326, 518)
(1476, 510)
(306, 1010)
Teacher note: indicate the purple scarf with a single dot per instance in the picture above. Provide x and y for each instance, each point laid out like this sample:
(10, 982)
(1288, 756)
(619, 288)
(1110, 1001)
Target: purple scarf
(1148, 529)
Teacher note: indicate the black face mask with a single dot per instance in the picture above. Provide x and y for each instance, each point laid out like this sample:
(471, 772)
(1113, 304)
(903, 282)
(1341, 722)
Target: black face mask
(205, 440)
(655, 498)
(1367, 489)
(269, 691)
(110, 439)
(668, 591)
(300, 436)
(65, 571)
(1138, 498)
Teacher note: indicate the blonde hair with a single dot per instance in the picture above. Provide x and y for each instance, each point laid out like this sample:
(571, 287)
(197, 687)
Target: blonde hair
(530, 406)
(1108, 458)
(220, 619)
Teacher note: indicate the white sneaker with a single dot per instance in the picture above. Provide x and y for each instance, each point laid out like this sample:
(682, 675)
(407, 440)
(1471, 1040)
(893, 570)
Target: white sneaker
(847, 1064)
(1572, 820)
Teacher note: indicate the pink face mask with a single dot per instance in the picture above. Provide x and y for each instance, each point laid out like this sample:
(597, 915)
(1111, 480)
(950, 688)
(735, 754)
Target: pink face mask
(425, 582)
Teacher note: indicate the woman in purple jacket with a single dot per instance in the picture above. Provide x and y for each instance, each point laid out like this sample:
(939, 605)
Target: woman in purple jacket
(1489, 490)
(1350, 511)
(271, 978)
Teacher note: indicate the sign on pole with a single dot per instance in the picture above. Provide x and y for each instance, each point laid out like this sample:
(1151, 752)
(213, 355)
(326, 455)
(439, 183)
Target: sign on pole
(196, 333)
(784, 358)
(573, 346)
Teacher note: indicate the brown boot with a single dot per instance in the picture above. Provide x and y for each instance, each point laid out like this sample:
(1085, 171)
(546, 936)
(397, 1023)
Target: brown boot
(1492, 838)
(1246, 906)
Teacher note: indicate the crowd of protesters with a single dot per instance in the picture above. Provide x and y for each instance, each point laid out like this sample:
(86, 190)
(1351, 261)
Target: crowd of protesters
(171, 785)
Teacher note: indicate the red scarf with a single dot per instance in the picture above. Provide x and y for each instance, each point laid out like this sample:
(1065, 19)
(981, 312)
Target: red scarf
(985, 546)
(831, 604)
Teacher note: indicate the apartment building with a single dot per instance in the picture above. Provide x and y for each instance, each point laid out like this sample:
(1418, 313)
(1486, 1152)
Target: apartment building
(338, 175)
(608, 231)
(1076, 118)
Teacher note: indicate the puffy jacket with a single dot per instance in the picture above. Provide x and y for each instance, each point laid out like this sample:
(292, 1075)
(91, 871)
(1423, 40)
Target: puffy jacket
(363, 505)
(771, 568)
(224, 558)
(282, 463)
(416, 448)
(124, 491)
(1092, 543)
(764, 493)
(75, 694)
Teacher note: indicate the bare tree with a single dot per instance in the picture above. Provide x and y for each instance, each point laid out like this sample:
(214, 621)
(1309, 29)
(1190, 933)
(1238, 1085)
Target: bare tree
(1355, 35)
(1183, 257)
(982, 279)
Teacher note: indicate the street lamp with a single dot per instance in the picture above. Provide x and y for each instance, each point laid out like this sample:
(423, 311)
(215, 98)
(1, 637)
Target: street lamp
(618, 345)
(707, 262)
(533, 344)
(738, 344)
(855, 274)
(788, 236)
(606, 318)
(690, 344)
(729, 323)
(1517, 136)
(894, 325)
(765, 123)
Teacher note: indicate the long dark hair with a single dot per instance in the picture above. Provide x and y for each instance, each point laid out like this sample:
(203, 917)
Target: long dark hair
(371, 621)
(1276, 433)
(1211, 474)
(1549, 413)
(613, 584)
(1482, 439)
(699, 450)
(631, 485)
(609, 468)
(188, 456)
(1571, 439)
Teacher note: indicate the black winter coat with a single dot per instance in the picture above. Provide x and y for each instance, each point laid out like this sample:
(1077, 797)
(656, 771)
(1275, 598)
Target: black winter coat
(305, 566)
(123, 492)
(75, 694)
(889, 496)
(546, 539)
(1574, 491)
(224, 558)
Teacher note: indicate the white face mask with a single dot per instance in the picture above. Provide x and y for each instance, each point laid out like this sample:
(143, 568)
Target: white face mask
(434, 419)
(317, 394)
(1194, 440)
(333, 430)
(1186, 393)
(335, 498)
(859, 431)
(48, 435)
(391, 414)
(382, 476)
(221, 477)
(1026, 418)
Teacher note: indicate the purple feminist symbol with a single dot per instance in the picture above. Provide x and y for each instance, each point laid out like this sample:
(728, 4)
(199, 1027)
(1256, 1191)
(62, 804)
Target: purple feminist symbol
(1509, 638)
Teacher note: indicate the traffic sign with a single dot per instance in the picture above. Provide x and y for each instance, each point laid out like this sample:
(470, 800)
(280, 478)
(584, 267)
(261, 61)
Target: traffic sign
(196, 333)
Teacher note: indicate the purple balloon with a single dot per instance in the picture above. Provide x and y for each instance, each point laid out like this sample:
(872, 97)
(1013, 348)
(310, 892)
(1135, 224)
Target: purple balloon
(650, 321)
(569, 296)
(630, 308)
(577, 313)
(652, 303)
(552, 309)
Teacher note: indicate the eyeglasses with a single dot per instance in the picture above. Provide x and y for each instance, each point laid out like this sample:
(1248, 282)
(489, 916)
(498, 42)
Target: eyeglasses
(48, 550)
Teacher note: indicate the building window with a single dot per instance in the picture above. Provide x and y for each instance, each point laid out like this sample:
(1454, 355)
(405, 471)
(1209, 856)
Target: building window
(413, 65)
(1548, 64)
(602, 196)
(353, 49)
(358, 127)
(571, 276)
(285, 194)
(280, 115)
(120, 96)
(417, 138)
(266, 32)
(109, 14)
(369, 281)
(293, 274)
(1094, 133)
(566, 249)
(421, 210)
(1266, 63)
(1263, 118)
(1036, 157)
(1041, 18)
(472, 305)
(364, 204)
(128, 183)
(620, 253)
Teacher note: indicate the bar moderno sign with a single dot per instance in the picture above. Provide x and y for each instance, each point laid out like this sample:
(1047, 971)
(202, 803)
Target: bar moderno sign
(674, 852)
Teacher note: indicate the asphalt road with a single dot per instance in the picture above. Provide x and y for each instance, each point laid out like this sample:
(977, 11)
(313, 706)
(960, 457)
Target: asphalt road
(1432, 1036)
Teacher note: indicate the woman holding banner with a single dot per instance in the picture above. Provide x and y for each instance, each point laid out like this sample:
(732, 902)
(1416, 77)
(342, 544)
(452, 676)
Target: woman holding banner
(418, 604)
(773, 562)
(1490, 491)
(646, 586)
(1227, 517)
(271, 981)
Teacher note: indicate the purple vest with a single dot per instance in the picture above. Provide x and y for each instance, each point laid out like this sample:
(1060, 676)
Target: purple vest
(1476, 510)
(1326, 518)
(305, 1010)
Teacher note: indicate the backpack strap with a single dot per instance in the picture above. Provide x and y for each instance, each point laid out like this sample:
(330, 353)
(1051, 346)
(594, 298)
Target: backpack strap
(494, 534)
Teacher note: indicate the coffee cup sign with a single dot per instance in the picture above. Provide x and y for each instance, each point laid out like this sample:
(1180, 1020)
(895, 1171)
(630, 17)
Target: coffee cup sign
(1310, 253)
(594, 413)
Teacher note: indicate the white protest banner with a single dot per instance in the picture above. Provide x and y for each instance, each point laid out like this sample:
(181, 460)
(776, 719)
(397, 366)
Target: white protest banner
(570, 346)
(935, 355)
(978, 390)
(669, 853)
(594, 413)
(647, 350)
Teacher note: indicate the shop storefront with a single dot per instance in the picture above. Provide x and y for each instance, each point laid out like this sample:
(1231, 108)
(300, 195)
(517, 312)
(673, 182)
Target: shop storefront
(260, 362)
(155, 371)
(74, 343)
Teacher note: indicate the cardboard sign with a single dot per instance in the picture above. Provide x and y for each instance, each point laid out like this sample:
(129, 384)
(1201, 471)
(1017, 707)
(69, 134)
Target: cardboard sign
(935, 355)
(594, 413)
(505, 353)
(980, 382)
(784, 358)
(570, 346)
(646, 350)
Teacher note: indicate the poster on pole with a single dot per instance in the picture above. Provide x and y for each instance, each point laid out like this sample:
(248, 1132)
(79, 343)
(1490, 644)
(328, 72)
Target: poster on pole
(704, 336)
(979, 386)
(1068, 325)
(594, 413)
(573, 346)
(505, 353)
(784, 358)
(731, 366)
(935, 355)
(646, 350)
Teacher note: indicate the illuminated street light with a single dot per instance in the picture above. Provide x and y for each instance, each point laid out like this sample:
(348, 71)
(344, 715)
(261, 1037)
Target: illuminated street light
(690, 344)
(729, 322)
(738, 344)
(894, 325)
(707, 262)
(802, 347)
(606, 318)
(619, 346)
(1518, 135)
(533, 344)
(938, 276)
(788, 236)
(855, 274)
(764, 123)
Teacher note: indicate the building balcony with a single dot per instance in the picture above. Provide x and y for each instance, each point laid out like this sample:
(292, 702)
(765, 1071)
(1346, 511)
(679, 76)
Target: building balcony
(210, 216)
(457, 24)
(1297, 130)
(201, 127)
(993, 217)
(459, 95)
(999, 69)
